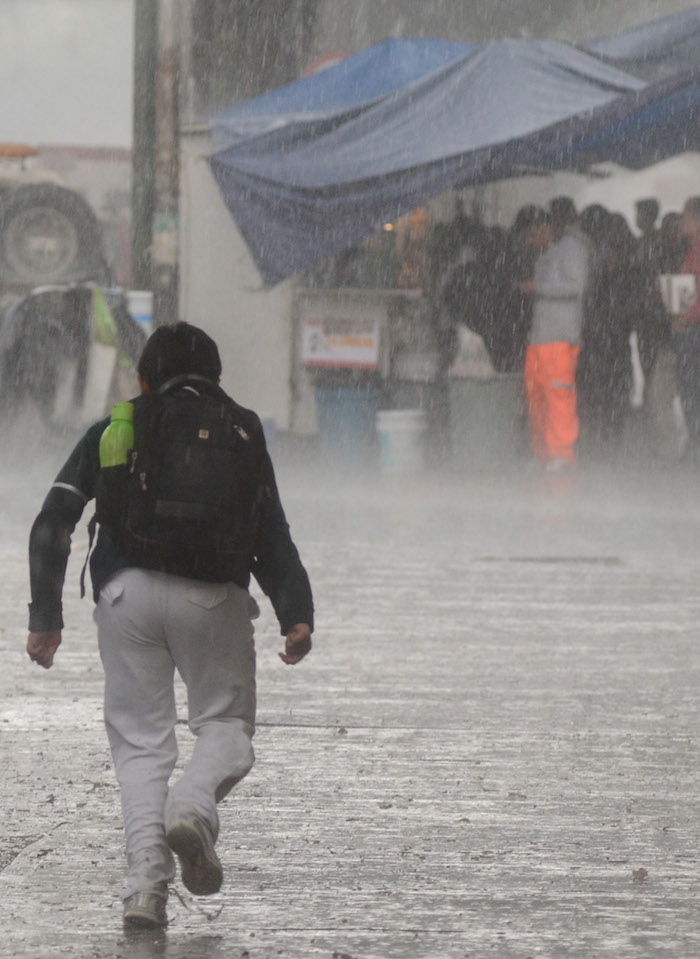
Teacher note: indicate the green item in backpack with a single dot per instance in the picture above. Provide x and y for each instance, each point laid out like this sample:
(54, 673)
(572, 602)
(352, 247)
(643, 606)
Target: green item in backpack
(118, 439)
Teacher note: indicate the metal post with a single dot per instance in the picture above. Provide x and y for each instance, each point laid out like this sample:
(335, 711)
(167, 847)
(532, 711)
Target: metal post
(143, 153)
(164, 248)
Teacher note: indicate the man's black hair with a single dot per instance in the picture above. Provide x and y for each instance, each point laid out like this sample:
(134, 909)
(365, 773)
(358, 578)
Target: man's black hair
(594, 219)
(177, 349)
(563, 210)
(648, 207)
(530, 216)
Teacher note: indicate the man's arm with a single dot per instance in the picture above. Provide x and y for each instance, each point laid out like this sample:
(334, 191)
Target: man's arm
(280, 573)
(49, 549)
(49, 545)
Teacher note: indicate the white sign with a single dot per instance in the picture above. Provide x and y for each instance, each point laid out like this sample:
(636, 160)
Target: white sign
(341, 340)
(678, 291)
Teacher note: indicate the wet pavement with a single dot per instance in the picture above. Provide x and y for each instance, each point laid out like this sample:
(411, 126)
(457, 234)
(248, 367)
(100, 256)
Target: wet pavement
(492, 751)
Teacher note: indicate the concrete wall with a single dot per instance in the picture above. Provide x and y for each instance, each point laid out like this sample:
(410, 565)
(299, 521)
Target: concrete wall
(221, 291)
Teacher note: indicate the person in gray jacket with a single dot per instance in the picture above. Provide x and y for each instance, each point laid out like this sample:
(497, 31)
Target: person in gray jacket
(558, 289)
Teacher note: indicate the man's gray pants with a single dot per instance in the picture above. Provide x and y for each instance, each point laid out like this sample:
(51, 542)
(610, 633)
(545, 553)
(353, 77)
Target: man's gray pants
(150, 624)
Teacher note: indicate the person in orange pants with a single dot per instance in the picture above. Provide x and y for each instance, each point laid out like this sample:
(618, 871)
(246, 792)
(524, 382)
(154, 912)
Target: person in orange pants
(558, 287)
(550, 386)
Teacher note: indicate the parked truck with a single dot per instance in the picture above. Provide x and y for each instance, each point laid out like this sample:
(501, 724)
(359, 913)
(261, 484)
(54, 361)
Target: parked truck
(48, 233)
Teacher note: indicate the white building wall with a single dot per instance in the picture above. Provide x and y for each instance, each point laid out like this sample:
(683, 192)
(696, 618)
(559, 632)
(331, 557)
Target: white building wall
(221, 292)
(670, 182)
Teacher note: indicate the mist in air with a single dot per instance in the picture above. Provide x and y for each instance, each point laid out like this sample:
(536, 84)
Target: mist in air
(449, 254)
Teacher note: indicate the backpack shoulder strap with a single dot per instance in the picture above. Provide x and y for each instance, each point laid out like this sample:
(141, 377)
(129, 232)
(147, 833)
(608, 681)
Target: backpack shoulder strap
(200, 383)
(92, 525)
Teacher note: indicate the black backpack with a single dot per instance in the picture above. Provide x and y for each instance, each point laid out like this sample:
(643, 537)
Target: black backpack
(187, 501)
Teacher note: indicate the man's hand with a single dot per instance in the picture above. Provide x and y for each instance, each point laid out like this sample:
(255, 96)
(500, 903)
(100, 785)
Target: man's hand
(42, 646)
(527, 287)
(297, 645)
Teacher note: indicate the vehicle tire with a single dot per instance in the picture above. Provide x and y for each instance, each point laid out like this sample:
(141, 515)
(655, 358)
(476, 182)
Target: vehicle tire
(48, 234)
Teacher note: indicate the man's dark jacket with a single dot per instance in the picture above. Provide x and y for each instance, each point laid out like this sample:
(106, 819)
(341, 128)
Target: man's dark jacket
(275, 562)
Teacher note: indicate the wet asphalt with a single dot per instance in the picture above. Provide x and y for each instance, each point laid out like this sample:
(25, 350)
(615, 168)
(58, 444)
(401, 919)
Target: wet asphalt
(492, 750)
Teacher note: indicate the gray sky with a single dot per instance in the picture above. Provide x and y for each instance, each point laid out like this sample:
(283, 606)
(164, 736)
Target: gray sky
(66, 71)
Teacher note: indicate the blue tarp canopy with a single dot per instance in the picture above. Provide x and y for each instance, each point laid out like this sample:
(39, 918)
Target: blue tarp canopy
(338, 92)
(655, 50)
(316, 166)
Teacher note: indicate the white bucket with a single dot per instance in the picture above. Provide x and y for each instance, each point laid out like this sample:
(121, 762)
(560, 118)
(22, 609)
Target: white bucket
(140, 305)
(401, 440)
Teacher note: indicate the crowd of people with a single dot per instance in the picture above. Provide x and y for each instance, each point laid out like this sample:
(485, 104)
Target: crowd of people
(557, 297)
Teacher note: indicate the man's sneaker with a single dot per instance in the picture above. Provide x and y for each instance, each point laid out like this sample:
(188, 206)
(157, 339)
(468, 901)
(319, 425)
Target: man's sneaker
(191, 840)
(146, 910)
